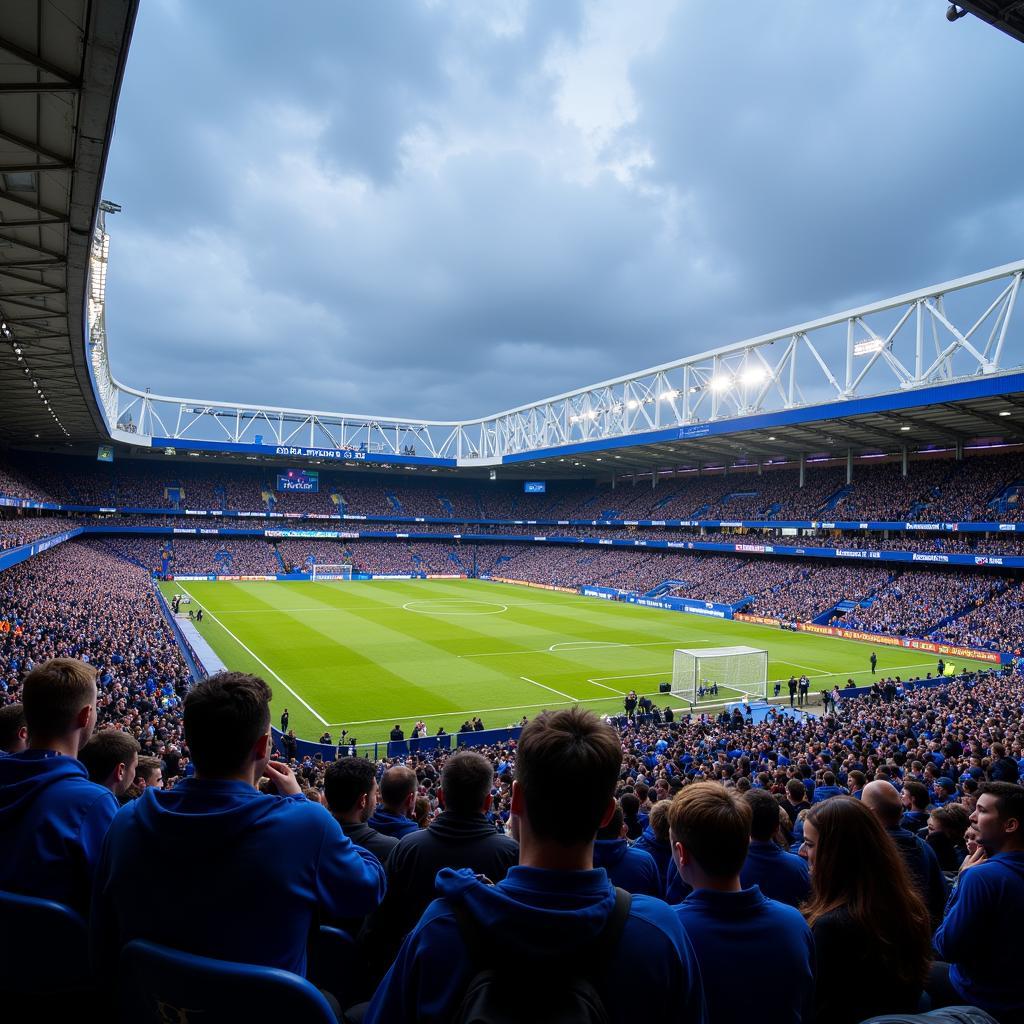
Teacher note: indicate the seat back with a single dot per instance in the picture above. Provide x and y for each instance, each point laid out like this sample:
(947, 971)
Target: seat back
(44, 946)
(336, 964)
(158, 984)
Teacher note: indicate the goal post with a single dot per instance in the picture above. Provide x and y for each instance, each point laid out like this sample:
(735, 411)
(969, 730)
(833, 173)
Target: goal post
(737, 669)
(331, 572)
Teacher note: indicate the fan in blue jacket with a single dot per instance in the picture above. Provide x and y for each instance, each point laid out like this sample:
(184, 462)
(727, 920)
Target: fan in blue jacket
(397, 800)
(549, 907)
(233, 853)
(729, 924)
(629, 868)
(52, 818)
(980, 937)
(780, 875)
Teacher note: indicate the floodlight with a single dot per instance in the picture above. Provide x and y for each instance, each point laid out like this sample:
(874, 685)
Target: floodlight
(755, 375)
(954, 13)
(721, 383)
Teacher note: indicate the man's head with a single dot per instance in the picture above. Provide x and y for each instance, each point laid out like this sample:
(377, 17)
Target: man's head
(466, 781)
(764, 815)
(110, 758)
(613, 827)
(796, 791)
(350, 786)
(710, 831)
(398, 790)
(998, 817)
(227, 726)
(882, 800)
(150, 772)
(658, 818)
(915, 796)
(567, 768)
(59, 699)
(13, 729)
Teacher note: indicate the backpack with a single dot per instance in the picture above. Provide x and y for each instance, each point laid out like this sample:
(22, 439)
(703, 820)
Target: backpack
(562, 992)
(948, 1015)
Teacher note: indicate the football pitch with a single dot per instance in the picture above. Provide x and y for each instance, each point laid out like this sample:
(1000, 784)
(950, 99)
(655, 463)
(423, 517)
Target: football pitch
(365, 654)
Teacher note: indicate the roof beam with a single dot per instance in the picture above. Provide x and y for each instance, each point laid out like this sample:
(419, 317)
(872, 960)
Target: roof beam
(10, 197)
(68, 79)
(14, 240)
(34, 147)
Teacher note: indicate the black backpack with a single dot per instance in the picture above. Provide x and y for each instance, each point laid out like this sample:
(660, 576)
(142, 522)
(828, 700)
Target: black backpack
(562, 992)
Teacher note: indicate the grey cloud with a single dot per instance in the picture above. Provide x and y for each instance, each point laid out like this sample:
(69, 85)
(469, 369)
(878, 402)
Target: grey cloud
(281, 244)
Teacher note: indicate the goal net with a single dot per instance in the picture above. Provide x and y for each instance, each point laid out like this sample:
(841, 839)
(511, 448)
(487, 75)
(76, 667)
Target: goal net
(331, 572)
(732, 670)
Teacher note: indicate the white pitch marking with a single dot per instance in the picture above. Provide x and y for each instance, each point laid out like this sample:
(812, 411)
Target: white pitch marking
(318, 717)
(585, 645)
(547, 650)
(408, 606)
(544, 686)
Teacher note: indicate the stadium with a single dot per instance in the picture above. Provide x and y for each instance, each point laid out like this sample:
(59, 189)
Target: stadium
(711, 667)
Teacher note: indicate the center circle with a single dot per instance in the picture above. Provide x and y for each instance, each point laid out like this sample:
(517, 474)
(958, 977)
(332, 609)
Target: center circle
(439, 606)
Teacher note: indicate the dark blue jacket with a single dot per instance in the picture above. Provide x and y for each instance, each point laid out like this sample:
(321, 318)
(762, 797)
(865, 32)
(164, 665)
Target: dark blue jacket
(779, 875)
(730, 932)
(216, 868)
(914, 821)
(659, 849)
(981, 934)
(52, 824)
(392, 824)
(925, 871)
(676, 890)
(629, 868)
(543, 915)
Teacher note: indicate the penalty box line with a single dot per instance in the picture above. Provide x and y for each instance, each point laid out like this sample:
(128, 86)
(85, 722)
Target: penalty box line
(253, 654)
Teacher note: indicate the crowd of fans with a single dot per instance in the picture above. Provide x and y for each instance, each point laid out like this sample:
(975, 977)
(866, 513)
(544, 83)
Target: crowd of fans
(872, 857)
(934, 489)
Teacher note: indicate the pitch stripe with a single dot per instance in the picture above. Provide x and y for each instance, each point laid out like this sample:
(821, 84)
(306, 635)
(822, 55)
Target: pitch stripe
(253, 654)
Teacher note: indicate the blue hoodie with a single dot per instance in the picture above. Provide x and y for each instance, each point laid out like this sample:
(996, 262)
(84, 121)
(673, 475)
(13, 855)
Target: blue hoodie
(216, 868)
(545, 914)
(659, 849)
(53, 820)
(779, 875)
(629, 868)
(730, 933)
(980, 936)
(396, 825)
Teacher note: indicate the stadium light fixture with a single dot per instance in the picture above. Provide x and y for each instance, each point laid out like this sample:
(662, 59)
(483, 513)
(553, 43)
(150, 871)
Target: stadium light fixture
(867, 347)
(721, 383)
(904, 428)
(1006, 412)
(632, 404)
(755, 375)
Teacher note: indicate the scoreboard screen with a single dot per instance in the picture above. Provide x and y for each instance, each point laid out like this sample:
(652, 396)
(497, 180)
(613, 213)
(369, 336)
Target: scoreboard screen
(299, 480)
(534, 486)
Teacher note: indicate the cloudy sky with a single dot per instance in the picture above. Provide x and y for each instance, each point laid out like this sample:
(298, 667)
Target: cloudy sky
(444, 208)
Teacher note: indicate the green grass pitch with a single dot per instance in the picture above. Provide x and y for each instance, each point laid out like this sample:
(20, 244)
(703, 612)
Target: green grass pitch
(366, 654)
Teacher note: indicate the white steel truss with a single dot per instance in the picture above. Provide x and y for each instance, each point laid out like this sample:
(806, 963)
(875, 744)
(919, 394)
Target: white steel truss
(951, 331)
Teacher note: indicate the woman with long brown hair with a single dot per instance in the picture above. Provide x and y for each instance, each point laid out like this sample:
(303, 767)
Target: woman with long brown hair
(872, 935)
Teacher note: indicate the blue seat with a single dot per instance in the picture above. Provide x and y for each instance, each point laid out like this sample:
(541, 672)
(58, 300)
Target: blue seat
(335, 964)
(44, 946)
(158, 984)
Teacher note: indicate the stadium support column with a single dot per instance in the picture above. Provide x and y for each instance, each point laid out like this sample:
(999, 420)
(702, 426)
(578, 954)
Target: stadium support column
(849, 465)
(959, 451)
(803, 469)
(903, 460)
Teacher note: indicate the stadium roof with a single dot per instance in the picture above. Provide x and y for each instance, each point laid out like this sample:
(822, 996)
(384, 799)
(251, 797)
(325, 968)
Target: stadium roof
(1005, 15)
(61, 63)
